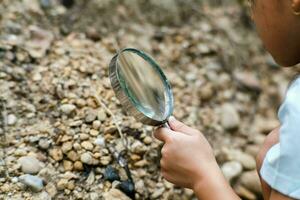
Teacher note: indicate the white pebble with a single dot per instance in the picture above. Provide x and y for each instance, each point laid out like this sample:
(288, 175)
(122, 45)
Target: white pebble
(33, 182)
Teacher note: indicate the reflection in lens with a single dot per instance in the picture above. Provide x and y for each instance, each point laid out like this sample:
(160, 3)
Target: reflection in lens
(144, 85)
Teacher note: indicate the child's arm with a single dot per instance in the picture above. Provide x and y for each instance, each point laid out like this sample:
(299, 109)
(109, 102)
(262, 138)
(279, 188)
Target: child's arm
(268, 192)
(188, 161)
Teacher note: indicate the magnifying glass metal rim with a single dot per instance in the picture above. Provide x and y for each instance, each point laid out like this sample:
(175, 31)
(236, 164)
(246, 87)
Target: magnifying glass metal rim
(125, 100)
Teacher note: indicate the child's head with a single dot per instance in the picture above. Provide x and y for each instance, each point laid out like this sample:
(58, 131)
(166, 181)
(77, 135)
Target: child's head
(278, 24)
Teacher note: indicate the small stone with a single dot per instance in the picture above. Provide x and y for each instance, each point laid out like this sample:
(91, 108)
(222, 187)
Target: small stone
(71, 185)
(244, 193)
(147, 140)
(33, 182)
(206, 92)
(115, 194)
(56, 154)
(67, 108)
(94, 132)
(90, 117)
(68, 165)
(141, 163)
(247, 161)
(72, 155)
(96, 124)
(44, 143)
(157, 193)
(100, 141)
(248, 80)
(91, 178)
(128, 188)
(105, 160)
(80, 103)
(67, 146)
(37, 77)
(62, 184)
(78, 166)
(87, 145)
(111, 174)
(231, 169)
(30, 165)
(11, 119)
(250, 180)
(138, 147)
(83, 136)
(51, 189)
(230, 118)
(101, 115)
(42, 195)
(94, 196)
(86, 158)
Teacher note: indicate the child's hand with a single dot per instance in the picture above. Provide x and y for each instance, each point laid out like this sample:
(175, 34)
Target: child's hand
(188, 161)
(187, 157)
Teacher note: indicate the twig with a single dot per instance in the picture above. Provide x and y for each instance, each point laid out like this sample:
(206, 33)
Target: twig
(103, 105)
(3, 121)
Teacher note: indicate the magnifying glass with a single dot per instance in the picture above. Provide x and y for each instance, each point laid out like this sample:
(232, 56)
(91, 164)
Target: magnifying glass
(141, 87)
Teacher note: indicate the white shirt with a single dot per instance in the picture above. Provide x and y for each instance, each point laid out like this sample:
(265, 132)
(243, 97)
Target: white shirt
(281, 166)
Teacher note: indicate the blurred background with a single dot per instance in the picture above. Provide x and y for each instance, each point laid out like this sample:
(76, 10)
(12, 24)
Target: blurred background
(62, 129)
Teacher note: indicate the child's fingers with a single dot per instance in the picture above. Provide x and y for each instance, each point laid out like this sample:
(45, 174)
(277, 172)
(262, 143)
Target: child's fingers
(162, 134)
(180, 127)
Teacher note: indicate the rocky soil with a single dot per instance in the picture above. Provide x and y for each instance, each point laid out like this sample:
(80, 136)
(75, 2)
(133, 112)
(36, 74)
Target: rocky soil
(64, 134)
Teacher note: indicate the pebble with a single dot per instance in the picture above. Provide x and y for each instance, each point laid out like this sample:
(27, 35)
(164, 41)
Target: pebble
(78, 166)
(157, 193)
(96, 124)
(94, 196)
(72, 155)
(100, 141)
(86, 158)
(244, 193)
(231, 169)
(67, 108)
(94, 132)
(87, 145)
(62, 184)
(115, 194)
(67, 146)
(51, 189)
(248, 80)
(101, 115)
(11, 119)
(147, 140)
(111, 174)
(83, 136)
(105, 160)
(44, 143)
(68, 165)
(33, 182)
(128, 188)
(247, 161)
(56, 154)
(230, 118)
(30, 165)
(90, 117)
(91, 178)
(250, 180)
(42, 195)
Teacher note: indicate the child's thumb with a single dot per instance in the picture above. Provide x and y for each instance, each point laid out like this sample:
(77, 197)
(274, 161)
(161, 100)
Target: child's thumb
(178, 126)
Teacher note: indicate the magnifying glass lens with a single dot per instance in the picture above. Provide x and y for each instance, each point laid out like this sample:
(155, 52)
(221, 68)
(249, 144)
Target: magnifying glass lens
(144, 84)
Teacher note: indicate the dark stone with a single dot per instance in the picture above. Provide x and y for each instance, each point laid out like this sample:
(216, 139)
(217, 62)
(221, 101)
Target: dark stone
(128, 188)
(111, 174)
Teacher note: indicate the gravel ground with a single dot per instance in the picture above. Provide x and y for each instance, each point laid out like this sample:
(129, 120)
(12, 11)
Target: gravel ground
(64, 134)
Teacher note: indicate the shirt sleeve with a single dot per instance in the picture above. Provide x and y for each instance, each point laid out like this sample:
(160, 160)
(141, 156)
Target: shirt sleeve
(281, 166)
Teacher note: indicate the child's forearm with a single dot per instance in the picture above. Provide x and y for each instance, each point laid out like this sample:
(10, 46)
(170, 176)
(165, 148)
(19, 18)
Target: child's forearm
(214, 187)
